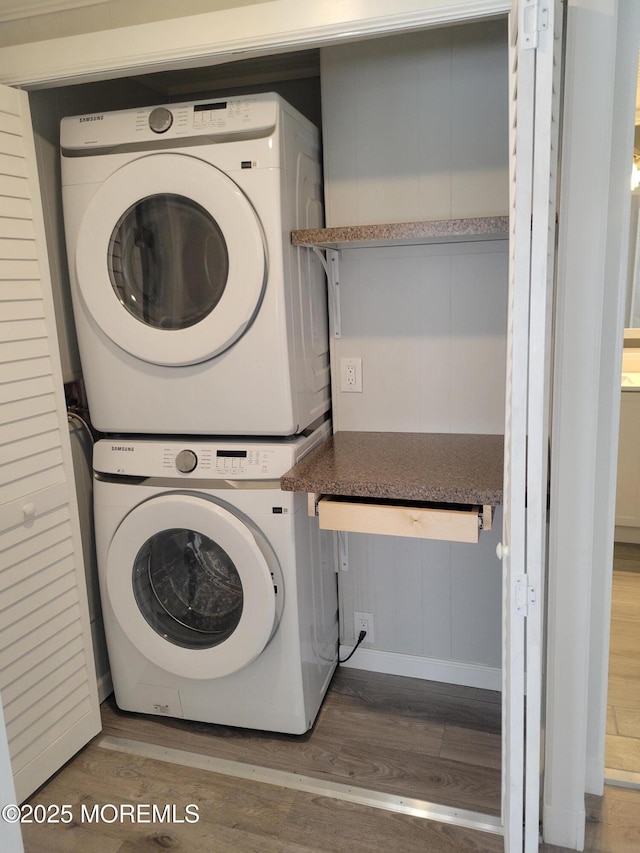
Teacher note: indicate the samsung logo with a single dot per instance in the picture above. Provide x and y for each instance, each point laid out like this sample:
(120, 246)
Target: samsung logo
(122, 447)
(91, 118)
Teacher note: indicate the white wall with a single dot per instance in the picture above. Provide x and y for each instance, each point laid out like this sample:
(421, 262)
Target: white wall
(613, 302)
(429, 324)
(592, 252)
(415, 127)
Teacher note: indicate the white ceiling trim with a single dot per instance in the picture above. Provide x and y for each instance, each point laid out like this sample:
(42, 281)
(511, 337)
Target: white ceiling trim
(11, 10)
(217, 37)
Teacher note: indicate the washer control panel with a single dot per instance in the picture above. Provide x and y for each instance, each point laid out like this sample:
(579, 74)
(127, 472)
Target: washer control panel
(247, 459)
(231, 463)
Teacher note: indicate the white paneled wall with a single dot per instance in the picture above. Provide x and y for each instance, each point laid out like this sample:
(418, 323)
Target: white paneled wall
(416, 127)
(429, 324)
(435, 604)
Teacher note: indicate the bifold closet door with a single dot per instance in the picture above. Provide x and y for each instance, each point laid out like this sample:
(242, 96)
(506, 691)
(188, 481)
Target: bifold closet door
(535, 53)
(47, 673)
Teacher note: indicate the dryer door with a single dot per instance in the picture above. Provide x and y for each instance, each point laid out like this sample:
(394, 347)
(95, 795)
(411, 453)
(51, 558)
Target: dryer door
(170, 259)
(193, 587)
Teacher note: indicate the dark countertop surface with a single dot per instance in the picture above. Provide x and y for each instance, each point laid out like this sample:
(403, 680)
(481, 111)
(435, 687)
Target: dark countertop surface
(440, 467)
(436, 231)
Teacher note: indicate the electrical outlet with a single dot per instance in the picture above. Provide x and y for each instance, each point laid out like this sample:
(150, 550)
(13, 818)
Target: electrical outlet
(351, 375)
(364, 622)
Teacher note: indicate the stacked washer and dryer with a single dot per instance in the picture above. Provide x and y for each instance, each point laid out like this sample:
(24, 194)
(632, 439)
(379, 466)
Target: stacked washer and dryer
(204, 346)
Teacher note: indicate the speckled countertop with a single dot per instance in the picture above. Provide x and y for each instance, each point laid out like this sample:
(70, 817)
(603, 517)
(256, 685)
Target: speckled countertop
(405, 233)
(440, 467)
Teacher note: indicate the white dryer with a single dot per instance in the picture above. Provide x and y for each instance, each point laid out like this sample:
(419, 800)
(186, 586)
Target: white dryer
(194, 313)
(218, 590)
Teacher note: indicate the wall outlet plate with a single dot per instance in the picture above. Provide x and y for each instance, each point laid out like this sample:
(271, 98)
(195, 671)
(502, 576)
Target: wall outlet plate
(364, 622)
(351, 375)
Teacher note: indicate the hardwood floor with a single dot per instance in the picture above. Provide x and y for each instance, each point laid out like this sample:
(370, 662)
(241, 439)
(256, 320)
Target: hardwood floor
(397, 735)
(400, 736)
(237, 816)
(623, 718)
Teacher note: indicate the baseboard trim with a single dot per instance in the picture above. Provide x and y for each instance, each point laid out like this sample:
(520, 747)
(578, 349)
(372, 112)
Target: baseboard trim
(563, 827)
(627, 535)
(429, 669)
(621, 778)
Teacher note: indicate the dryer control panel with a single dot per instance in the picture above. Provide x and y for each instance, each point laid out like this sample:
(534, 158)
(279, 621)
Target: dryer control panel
(238, 117)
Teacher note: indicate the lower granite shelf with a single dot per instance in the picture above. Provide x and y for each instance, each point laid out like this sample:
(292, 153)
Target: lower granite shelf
(427, 485)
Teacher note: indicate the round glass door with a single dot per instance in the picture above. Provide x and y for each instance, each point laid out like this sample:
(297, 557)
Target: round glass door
(187, 588)
(168, 262)
(170, 259)
(194, 588)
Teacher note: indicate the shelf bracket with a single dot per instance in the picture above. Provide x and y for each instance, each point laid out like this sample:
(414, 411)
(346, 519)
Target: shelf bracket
(312, 504)
(331, 265)
(342, 549)
(486, 517)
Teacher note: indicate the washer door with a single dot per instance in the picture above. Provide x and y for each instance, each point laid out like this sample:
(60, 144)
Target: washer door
(192, 586)
(170, 259)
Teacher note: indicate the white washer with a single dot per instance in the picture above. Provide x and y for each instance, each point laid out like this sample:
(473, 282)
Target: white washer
(219, 592)
(194, 313)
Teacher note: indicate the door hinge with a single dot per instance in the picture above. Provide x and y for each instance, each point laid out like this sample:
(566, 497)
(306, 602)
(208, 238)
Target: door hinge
(524, 596)
(534, 20)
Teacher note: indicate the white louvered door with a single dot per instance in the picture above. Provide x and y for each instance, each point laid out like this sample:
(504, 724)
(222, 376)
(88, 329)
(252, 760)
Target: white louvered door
(47, 674)
(535, 51)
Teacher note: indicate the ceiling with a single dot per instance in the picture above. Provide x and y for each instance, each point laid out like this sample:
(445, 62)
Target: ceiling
(295, 65)
(11, 10)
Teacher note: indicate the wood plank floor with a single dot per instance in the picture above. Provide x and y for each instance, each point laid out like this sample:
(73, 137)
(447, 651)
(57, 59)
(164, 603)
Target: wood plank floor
(623, 718)
(401, 736)
(237, 816)
(394, 734)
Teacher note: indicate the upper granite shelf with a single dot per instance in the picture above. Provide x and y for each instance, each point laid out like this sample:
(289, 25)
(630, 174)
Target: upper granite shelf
(404, 233)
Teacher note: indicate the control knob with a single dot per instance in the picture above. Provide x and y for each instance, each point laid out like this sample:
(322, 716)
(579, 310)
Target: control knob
(160, 120)
(186, 461)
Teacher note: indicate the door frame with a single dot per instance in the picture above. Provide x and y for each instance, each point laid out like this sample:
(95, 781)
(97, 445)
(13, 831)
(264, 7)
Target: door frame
(240, 33)
(271, 28)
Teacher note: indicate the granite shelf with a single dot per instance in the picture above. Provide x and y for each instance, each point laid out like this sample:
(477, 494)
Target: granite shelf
(430, 485)
(405, 233)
